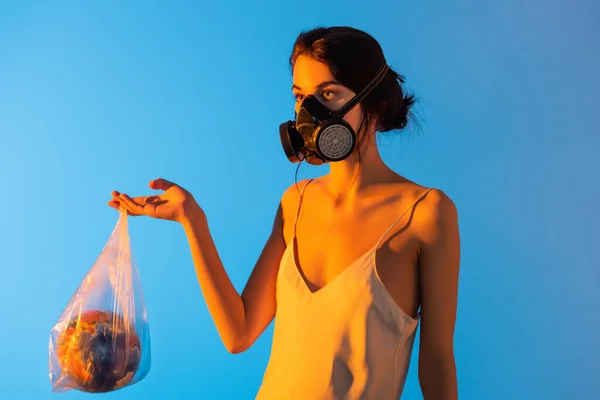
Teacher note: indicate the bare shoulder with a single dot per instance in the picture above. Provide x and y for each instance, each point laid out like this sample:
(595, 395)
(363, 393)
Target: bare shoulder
(432, 203)
(436, 215)
(289, 206)
(438, 204)
(291, 196)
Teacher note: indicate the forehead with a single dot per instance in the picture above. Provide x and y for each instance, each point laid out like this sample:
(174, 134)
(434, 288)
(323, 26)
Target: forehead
(309, 73)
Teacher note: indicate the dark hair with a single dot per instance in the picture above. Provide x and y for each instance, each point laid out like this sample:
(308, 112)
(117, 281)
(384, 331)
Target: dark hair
(354, 57)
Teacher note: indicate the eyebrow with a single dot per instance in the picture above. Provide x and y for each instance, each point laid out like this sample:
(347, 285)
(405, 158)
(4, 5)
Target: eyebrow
(319, 86)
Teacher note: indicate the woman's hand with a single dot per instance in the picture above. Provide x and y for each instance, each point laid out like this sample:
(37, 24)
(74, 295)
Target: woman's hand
(175, 204)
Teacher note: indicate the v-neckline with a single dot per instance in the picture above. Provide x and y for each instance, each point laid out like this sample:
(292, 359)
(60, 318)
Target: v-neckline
(297, 268)
(371, 251)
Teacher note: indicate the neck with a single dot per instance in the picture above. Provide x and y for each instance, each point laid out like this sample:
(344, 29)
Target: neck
(352, 177)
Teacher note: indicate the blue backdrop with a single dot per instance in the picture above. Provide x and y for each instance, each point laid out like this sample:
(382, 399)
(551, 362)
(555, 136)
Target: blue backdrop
(96, 96)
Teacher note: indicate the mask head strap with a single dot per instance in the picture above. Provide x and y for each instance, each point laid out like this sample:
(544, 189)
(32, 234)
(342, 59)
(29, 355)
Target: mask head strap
(364, 93)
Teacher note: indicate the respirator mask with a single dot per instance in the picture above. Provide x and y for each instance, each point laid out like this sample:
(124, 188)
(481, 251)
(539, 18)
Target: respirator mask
(320, 135)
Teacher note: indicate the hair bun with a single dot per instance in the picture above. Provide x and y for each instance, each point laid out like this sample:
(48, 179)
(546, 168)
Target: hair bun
(395, 109)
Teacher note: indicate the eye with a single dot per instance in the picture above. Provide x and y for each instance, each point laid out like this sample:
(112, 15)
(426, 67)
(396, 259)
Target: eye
(328, 94)
(299, 97)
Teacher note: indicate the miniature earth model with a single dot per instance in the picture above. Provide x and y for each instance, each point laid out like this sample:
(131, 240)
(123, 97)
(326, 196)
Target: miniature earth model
(99, 351)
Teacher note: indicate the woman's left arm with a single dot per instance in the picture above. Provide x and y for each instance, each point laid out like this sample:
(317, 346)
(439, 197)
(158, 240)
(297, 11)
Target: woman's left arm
(439, 264)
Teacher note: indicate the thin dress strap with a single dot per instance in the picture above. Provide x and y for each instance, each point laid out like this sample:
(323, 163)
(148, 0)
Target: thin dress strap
(300, 205)
(399, 218)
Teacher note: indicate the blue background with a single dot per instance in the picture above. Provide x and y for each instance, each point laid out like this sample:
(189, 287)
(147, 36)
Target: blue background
(96, 96)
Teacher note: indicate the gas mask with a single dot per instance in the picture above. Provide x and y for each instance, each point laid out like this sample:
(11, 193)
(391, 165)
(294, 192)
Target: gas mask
(320, 135)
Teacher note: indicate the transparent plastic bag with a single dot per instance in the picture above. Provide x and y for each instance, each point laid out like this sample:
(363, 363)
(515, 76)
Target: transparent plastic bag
(101, 342)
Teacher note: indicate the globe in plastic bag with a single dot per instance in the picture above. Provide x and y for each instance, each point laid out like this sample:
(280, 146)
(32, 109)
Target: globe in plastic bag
(101, 342)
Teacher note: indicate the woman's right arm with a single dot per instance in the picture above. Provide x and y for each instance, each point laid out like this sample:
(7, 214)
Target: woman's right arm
(240, 320)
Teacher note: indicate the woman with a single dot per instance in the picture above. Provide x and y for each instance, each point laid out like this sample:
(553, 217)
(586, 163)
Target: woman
(355, 258)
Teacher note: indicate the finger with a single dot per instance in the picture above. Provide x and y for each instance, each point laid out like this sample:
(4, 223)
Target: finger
(138, 199)
(131, 204)
(116, 204)
(141, 200)
(161, 184)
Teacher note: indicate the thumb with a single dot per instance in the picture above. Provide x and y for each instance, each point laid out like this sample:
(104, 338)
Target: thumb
(161, 184)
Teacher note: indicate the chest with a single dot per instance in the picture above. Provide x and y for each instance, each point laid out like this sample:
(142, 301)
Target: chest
(329, 241)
